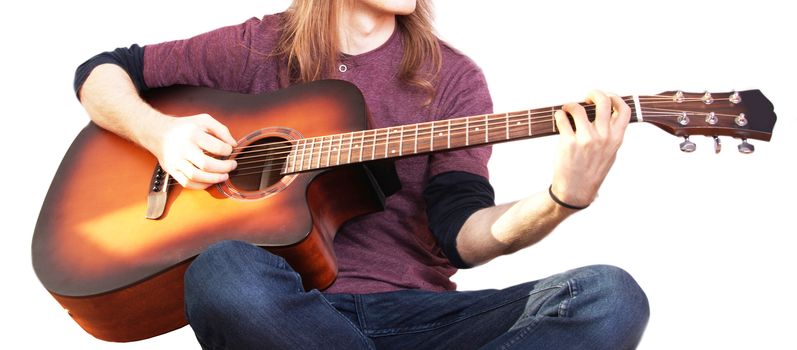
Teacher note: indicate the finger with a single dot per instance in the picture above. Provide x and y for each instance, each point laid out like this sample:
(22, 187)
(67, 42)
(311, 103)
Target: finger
(212, 144)
(579, 115)
(563, 124)
(218, 129)
(207, 163)
(621, 115)
(603, 110)
(179, 177)
(195, 175)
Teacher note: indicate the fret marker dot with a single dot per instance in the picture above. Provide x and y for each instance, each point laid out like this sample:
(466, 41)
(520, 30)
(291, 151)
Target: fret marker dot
(393, 151)
(440, 134)
(476, 129)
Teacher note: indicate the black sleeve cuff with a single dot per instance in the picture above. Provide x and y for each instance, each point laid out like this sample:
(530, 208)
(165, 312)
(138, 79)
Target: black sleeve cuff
(130, 59)
(451, 198)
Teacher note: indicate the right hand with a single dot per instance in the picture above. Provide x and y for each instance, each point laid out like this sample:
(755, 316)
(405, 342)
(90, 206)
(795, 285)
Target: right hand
(185, 147)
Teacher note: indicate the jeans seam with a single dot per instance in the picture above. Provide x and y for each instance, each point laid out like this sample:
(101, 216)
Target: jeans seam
(432, 326)
(572, 289)
(359, 307)
(361, 334)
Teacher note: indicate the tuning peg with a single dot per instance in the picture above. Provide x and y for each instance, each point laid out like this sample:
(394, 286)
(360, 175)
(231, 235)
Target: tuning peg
(745, 147)
(688, 146)
(735, 98)
(707, 99)
(717, 145)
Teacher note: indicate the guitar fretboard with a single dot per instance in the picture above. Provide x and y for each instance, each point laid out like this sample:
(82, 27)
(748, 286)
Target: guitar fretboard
(414, 139)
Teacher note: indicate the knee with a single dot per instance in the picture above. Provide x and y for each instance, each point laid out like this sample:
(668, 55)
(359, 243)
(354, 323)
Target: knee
(620, 305)
(212, 267)
(229, 278)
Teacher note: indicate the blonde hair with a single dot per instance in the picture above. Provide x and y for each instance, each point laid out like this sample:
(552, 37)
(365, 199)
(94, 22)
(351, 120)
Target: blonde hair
(309, 43)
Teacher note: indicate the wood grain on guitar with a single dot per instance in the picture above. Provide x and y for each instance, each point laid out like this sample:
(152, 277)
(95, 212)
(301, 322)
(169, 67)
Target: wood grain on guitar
(301, 175)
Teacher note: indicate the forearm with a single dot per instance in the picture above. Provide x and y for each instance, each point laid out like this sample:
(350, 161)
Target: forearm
(507, 228)
(590, 149)
(112, 102)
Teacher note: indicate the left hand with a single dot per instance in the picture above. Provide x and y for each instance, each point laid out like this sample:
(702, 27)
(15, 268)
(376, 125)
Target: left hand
(587, 154)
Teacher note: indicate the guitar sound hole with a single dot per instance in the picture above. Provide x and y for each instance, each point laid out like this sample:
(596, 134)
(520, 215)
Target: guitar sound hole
(260, 164)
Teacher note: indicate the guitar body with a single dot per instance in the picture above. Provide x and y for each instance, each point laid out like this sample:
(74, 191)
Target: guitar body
(120, 275)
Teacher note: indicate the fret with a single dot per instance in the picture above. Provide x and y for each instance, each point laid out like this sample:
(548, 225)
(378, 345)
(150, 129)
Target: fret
(325, 149)
(528, 117)
(320, 153)
(294, 148)
(312, 148)
(431, 139)
(486, 129)
(301, 159)
(362, 139)
(553, 120)
(449, 134)
(351, 139)
(329, 150)
(467, 131)
(340, 147)
(373, 150)
(304, 152)
(401, 141)
(387, 142)
(506, 121)
(415, 148)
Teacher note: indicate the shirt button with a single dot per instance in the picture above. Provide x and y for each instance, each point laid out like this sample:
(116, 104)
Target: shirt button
(342, 68)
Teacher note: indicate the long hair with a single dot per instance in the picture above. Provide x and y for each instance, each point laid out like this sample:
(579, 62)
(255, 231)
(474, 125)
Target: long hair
(309, 43)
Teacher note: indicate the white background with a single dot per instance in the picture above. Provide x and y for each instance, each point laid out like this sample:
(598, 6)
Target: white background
(707, 236)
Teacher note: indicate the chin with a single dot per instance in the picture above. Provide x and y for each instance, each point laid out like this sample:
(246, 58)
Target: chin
(396, 7)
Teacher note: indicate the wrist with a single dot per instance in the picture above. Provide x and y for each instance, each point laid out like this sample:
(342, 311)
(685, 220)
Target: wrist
(565, 202)
(147, 131)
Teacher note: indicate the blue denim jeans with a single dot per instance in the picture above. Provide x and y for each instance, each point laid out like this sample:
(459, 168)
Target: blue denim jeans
(239, 296)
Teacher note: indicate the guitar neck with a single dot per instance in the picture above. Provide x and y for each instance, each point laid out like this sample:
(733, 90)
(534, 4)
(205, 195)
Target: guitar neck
(422, 138)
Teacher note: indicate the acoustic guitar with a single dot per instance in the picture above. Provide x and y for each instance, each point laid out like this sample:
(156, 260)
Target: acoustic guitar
(115, 233)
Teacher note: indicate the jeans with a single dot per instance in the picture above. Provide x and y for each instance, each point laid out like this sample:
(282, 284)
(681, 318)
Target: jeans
(239, 296)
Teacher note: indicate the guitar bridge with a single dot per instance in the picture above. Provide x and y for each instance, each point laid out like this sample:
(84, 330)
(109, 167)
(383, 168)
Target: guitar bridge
(158, 193)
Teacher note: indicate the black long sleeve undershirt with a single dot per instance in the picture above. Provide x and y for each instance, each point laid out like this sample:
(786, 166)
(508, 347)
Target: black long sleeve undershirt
(451, 198)
(131, 59)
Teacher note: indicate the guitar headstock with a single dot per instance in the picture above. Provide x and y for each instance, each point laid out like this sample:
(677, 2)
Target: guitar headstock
(743, 115)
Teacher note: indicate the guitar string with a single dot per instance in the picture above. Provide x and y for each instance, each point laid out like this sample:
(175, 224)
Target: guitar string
(497, 118)
(493, 119)
(279, 164)
(456, 130)
(315, 164)
(456, 137)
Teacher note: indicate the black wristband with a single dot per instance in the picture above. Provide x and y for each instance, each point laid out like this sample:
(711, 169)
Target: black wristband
(560, 202)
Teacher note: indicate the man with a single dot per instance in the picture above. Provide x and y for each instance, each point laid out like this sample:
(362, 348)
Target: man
(393, 290)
